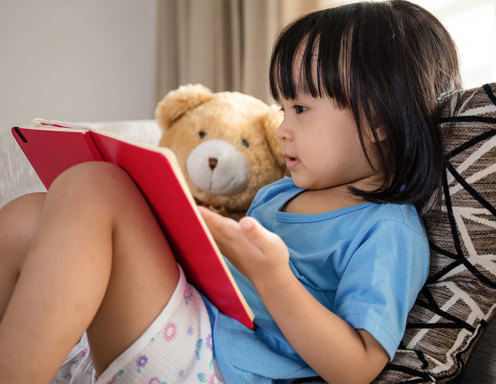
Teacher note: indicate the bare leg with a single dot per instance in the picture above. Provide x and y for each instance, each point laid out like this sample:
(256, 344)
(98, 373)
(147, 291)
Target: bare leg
(19, 221)
(99, 262)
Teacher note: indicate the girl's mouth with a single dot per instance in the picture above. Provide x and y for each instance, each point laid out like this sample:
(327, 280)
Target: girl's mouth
(291, 162)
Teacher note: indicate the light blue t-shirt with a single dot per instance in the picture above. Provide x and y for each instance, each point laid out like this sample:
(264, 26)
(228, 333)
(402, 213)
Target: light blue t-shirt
(366, 263)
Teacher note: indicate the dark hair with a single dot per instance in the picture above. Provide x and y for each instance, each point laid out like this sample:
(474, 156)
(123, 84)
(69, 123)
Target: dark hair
(390, 63)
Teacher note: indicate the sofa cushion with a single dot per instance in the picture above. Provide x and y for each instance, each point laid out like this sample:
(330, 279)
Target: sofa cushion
(459, 299)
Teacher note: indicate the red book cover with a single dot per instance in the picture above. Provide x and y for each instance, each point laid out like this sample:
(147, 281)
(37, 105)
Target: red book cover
(52, 147)
(45, 148)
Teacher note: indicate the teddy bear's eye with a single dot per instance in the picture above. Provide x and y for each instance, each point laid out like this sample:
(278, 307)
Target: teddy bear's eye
(202, 134)
(245, 143)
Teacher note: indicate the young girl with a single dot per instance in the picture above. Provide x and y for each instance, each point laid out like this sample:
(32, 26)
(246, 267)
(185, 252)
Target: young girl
(330, 260)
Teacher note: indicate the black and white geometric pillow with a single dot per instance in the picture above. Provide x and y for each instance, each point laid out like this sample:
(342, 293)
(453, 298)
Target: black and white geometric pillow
(459, 299)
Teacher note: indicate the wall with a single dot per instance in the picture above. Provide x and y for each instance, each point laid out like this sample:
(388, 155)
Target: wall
(472, 24)
(77, 60)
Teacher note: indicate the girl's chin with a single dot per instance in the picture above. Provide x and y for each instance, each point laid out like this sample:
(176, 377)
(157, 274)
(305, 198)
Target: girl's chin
(309, 184)
(301, 183)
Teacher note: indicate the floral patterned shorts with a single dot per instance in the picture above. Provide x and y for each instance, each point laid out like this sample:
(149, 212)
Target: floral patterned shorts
(176, 348)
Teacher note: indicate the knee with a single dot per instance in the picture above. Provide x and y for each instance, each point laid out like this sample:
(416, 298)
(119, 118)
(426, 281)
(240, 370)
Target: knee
(92, 181)
(19, 222)
(22, 214)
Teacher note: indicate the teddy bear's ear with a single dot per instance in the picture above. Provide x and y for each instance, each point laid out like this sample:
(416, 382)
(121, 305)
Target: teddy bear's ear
(271, 121)
(180, 100)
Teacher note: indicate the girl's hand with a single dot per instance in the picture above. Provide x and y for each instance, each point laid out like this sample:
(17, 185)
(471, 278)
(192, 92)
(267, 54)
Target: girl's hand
(256, 252)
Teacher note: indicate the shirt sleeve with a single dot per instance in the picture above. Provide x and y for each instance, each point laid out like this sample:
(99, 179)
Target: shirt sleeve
(382, 279)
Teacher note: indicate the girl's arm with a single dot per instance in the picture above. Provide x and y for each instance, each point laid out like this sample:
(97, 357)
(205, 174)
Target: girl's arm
(335, 350)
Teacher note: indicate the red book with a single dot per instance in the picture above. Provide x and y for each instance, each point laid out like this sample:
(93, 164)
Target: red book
(52, 147)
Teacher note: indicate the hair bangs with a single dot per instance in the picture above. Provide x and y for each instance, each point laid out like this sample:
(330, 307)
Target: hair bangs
(307, 59)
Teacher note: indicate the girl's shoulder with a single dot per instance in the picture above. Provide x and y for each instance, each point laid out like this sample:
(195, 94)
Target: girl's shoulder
(403, 213)
(390, 218)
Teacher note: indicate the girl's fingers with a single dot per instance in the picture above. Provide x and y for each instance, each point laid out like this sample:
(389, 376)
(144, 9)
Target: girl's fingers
(248, 229)
(220, 226)
(251, 248)
(225, 231)
(265, 240)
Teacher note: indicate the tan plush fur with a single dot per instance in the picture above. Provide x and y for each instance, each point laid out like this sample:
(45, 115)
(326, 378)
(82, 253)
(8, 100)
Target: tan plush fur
(236, 118)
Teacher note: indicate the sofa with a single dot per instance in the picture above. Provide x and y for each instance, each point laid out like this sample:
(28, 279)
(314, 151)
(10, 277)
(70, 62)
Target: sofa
(451, 334)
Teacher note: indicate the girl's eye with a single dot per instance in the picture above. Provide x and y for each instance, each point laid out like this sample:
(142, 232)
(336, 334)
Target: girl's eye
(245, 143)
(202, 134)
(299, 109)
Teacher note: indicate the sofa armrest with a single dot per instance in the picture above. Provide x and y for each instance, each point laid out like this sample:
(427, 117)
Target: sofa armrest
(481, 365)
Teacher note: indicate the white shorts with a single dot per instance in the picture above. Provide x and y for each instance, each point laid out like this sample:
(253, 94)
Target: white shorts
(176, 348)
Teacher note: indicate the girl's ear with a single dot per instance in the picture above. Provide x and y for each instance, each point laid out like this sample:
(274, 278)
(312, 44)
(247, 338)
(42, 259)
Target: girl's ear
(271, 120)
(380, 135)
(179, 101)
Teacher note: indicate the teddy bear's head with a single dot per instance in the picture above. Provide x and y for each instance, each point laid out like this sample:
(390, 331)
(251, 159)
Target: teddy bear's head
(225, 143)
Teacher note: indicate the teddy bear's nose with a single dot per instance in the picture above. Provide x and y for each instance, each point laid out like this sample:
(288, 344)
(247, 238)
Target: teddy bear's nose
(212, 162)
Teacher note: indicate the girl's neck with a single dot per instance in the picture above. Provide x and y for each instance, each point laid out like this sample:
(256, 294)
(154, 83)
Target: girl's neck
(322, 200)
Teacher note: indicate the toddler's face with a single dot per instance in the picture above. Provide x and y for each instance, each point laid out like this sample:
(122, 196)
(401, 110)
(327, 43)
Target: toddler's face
(321, 145)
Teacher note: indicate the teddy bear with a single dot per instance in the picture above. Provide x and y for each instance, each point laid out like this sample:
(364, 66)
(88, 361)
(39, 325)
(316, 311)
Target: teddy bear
(225, 143)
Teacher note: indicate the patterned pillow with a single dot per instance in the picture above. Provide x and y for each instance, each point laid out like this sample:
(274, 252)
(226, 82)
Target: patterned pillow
(459, 298)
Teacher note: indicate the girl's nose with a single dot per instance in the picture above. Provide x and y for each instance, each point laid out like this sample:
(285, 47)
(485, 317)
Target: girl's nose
(283, 132)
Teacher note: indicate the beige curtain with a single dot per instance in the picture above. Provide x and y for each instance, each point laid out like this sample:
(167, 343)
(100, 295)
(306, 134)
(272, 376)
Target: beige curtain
(222, 44)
